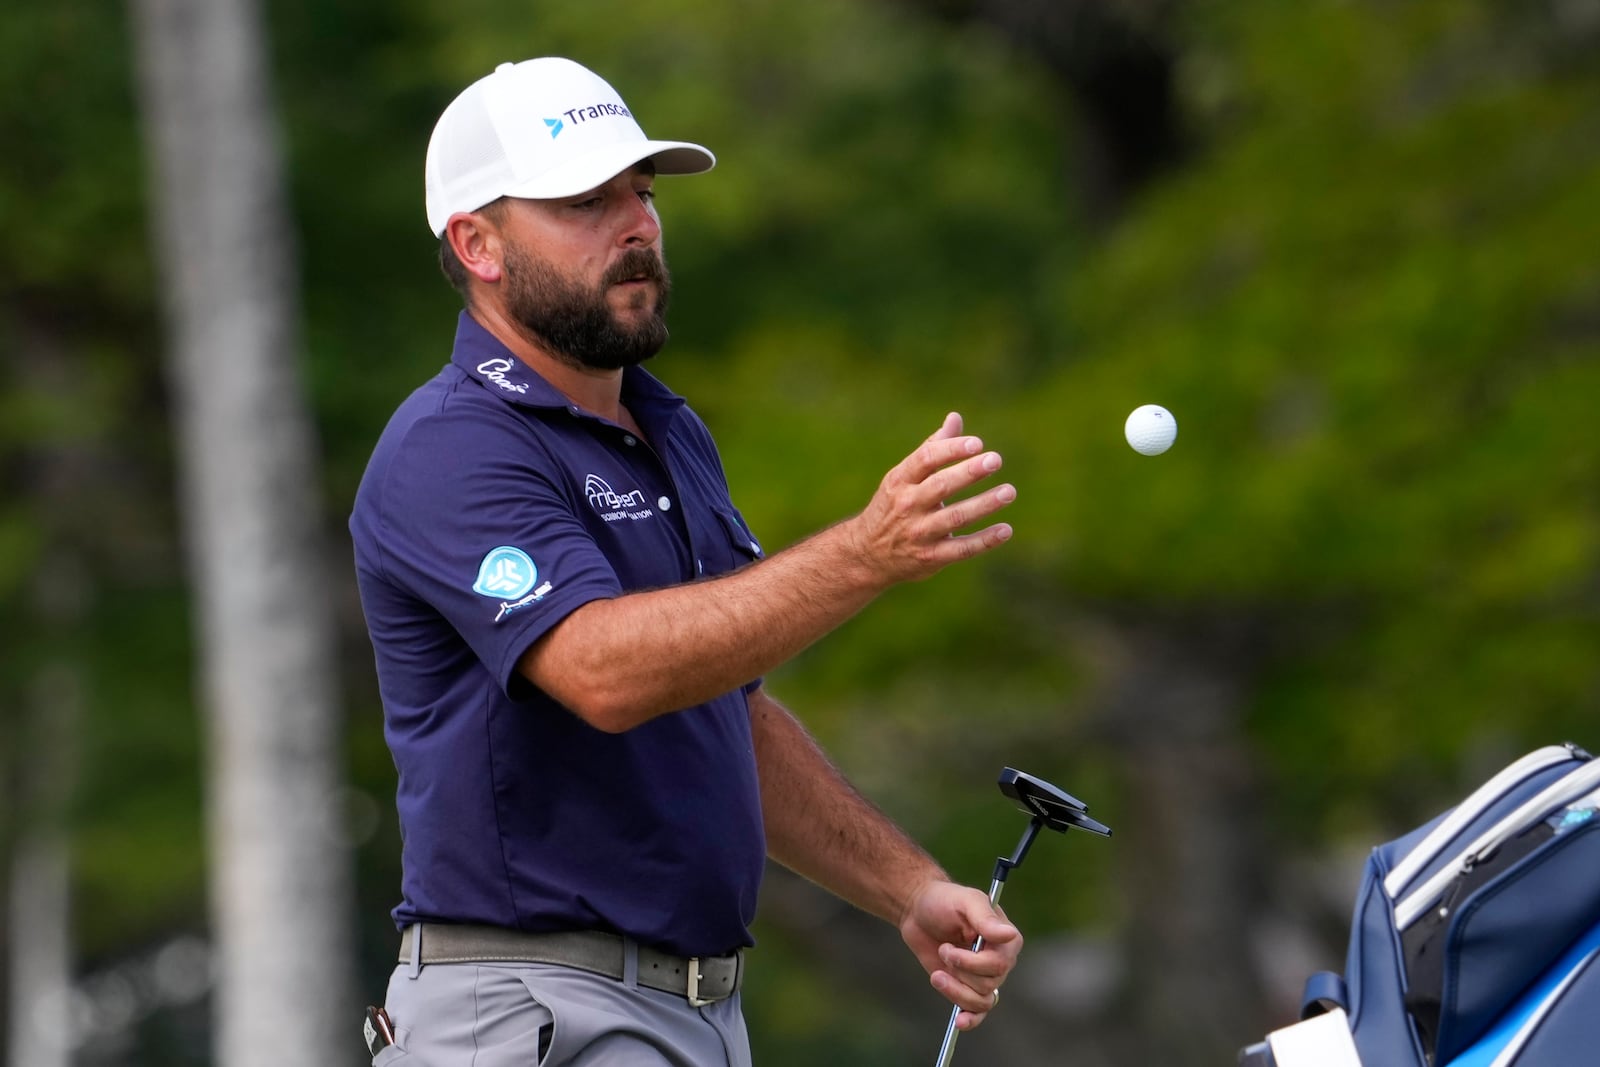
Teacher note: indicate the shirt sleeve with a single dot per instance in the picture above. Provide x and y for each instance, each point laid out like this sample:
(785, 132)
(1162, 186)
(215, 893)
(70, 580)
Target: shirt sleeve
(475, 522)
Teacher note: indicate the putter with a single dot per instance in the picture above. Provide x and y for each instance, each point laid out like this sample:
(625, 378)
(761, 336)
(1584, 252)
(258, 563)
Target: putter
(1048, 807)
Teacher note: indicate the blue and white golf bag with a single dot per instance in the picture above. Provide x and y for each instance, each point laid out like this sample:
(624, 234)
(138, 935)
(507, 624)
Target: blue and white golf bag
(1476, 938)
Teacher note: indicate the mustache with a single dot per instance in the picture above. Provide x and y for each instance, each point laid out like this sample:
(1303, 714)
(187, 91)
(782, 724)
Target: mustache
(637, 263)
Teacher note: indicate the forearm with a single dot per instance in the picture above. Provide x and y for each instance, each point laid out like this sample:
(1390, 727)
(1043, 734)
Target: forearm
(820, 827)
(618, 663)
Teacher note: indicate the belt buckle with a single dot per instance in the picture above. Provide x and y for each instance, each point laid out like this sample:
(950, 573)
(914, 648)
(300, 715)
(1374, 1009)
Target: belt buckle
(693, 989)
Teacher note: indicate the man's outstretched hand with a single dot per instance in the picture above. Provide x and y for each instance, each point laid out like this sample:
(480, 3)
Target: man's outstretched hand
(908, 530)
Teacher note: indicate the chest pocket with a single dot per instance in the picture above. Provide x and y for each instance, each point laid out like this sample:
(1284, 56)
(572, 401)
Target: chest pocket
(733, 547)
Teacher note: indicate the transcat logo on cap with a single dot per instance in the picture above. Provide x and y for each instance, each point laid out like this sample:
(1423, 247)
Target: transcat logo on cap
(579, 115)
(494, 370)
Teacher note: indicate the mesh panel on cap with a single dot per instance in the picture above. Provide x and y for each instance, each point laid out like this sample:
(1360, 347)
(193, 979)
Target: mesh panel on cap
(469, 167)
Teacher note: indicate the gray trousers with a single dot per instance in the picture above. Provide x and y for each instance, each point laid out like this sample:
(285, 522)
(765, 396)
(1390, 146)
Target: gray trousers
(544, 1015)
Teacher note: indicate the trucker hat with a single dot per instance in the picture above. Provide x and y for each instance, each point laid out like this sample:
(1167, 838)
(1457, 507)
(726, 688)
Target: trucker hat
(541, 129)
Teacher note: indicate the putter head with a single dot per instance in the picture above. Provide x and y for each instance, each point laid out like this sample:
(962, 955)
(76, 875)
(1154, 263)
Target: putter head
(1058, 810)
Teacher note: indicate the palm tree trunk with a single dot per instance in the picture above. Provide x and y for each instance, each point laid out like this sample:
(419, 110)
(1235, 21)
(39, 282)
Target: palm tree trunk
(40, 956)
(280, 880)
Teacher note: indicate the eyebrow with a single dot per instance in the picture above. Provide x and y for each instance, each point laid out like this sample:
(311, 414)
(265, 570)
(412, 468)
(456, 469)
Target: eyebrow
(645, 166)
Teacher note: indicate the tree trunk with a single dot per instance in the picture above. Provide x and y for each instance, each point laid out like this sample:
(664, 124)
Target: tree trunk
(280, 880)
(40, 958)
(43, 761)
(1192, 869)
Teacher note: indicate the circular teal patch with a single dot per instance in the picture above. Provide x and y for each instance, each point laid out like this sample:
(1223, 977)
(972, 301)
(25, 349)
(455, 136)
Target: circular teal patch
(505, 573)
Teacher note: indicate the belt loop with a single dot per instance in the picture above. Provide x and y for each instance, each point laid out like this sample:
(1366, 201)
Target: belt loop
(630, 963)
(416, 950)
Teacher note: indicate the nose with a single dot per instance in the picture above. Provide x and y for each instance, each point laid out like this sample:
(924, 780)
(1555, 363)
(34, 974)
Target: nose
(642, 226)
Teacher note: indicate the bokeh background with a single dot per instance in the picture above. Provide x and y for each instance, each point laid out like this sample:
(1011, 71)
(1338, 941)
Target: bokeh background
(1354, 246)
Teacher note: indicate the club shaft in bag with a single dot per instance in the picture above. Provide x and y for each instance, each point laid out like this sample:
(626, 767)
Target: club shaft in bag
(947, 1050)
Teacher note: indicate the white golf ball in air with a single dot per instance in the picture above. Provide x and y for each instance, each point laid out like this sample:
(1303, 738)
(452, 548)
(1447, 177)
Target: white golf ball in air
(1151, 429)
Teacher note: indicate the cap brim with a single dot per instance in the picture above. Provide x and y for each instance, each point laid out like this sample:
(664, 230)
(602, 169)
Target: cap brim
(595, 168)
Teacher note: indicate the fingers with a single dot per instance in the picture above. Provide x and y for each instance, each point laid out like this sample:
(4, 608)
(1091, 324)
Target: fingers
(942, 467)
(909, 529)
(966, 512)
(1002, 944)
(941, 920)
(971, 980)
(990, 921)
(937, 453)
(976, 1001)
(951, 427)
(981, 969)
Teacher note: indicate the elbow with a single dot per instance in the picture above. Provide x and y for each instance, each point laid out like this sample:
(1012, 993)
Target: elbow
(583, 685)
(608, 710)
(609, 717)
(587, 684)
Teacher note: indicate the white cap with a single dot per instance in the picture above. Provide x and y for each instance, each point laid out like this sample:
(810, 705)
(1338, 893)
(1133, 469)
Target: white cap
(541, 129)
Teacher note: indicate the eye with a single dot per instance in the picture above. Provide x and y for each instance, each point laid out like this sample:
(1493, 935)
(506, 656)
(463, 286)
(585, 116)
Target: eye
(647, 195)
(588, 203)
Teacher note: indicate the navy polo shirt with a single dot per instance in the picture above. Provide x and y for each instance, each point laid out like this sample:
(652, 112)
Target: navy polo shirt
(491, 508)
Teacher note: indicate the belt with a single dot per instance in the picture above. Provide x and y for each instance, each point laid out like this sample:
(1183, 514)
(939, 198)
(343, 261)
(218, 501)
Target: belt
(700, 979)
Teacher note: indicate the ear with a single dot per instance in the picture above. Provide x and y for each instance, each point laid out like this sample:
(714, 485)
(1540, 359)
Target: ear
(476, 242)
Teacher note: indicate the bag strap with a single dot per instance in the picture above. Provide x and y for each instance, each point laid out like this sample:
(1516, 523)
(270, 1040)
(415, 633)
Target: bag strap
(1324, 992)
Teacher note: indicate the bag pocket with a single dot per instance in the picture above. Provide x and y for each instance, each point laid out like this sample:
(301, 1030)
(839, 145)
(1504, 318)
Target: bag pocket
(1553, 1024)
(1507, 931)
(1567, 1029)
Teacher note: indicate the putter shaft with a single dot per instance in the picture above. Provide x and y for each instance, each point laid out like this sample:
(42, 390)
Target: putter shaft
(948, 1049)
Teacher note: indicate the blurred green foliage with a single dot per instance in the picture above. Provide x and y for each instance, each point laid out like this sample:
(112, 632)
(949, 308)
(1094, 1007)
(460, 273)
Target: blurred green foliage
(1371, 296)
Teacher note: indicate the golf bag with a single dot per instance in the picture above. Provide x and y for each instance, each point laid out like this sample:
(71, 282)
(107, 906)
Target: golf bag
(1476, 937)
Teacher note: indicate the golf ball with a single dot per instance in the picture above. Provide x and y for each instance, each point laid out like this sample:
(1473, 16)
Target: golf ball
(1151, 429)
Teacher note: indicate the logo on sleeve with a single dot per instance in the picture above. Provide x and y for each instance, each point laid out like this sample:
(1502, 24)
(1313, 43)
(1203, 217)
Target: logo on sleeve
(505, 572)
(508, 575)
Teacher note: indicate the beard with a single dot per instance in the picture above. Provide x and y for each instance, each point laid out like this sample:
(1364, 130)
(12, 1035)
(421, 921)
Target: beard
(576, 324)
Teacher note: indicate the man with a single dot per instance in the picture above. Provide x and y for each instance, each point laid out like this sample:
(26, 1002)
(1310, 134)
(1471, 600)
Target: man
(571, 621)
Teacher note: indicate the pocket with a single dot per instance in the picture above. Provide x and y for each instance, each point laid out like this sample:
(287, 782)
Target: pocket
(745, 545)
(550, 1026)
(1512, 929)
(1554, 1024)
(392, 1054)
(726, 544)
(1565, 1028)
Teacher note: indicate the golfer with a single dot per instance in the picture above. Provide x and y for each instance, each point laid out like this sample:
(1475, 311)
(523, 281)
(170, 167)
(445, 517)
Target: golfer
(571, 621)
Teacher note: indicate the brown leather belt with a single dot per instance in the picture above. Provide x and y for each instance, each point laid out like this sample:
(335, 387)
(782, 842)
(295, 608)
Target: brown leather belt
(700, 979)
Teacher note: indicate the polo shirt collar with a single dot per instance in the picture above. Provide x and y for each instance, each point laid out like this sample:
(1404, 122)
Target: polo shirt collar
(481, 356)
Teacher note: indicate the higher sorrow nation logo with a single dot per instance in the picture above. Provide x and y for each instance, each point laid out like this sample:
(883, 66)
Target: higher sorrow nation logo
(613, 505)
